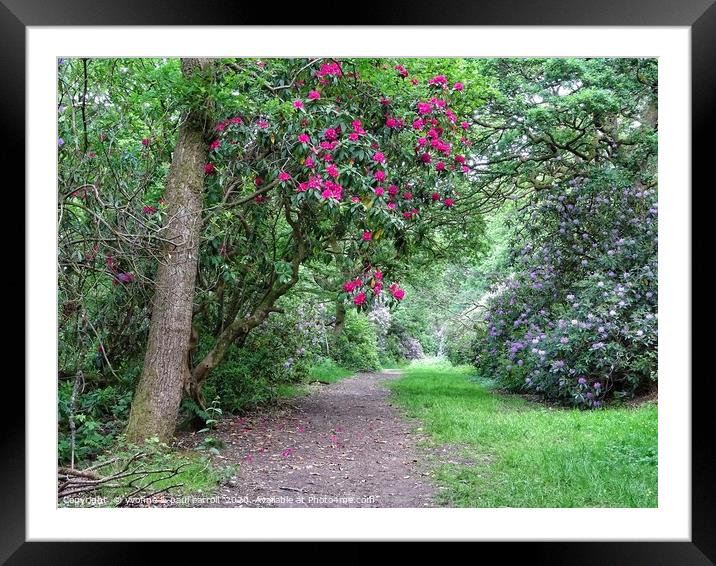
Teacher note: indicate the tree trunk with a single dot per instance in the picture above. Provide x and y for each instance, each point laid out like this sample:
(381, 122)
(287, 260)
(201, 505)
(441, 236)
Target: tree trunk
(155, 406)
(340, 323)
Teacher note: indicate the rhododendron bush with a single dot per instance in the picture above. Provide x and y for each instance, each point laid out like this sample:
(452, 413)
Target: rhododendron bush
(576, 320)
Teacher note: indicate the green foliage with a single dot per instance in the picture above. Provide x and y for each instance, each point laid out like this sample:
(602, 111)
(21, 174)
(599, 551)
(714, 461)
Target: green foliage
(100, 413)
(196, 473)
(355, 348)
(518, 453)
(328, 371)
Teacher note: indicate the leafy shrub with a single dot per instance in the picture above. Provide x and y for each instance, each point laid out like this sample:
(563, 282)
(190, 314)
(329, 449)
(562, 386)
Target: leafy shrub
(281, 351)
(460, 346)
(99, 415)
(356, 347)
(576, 321)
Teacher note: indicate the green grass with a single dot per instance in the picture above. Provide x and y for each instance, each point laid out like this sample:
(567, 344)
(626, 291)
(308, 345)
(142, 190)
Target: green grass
(197, 474)
(329, 371)
(525, 454)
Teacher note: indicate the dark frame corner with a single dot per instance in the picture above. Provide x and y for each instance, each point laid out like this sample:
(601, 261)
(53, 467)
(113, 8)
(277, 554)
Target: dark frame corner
(700, 15)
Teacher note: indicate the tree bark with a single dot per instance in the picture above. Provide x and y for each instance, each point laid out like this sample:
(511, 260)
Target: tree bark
(340, 323)
(155, 406)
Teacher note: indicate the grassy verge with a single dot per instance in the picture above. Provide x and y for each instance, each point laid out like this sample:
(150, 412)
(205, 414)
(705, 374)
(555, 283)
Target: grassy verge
(524, 454)
(158, 468)
(329, 372)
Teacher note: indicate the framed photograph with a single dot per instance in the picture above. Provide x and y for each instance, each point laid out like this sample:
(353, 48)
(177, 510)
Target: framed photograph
(413, 279)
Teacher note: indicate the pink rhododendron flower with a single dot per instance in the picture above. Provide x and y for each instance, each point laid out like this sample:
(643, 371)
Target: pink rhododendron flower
(258, 181)
(378, 287)
(418, 124)
(149, 209)
(327, 157)
(353, 136)
(426, 158)
(314, 95)
(330, 69)
(397, 292)
(304, 138)
(309, 162)
(379, 191)
(333, 171)
(355, 199)
(214, 145)
(298, 103)
(422, 141)
(379, 157)
(440, 166)
(359, 299)
(448, 202)
(407, 214)
(379, 175)
(407, 195)
(302, 187)
(235, 120)
(209, 169)
(465, 168)
(328, 146)
(401, 71)
(220, 127)
(458, 86)
(391, 205)
(414, 82)
(392, 190)
(460, 158)
(283, 176)
(464, 125)
(259, 199)
(330, 134)
(384, 101)
(394, 123)
(378, 274)
(145, 142)
(424, 108)
(367, 235)
(435, 196)
(263, 124)
(438, 80)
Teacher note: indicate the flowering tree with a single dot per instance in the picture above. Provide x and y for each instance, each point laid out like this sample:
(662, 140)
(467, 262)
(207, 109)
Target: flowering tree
(305, 160)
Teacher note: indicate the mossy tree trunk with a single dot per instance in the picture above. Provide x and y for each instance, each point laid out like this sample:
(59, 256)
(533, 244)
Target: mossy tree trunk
(155, 406)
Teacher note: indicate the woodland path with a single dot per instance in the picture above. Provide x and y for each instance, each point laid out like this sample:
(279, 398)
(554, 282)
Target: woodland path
(342, 445)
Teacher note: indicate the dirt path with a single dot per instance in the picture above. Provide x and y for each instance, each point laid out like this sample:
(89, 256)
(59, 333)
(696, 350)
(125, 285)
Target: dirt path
(343, 445)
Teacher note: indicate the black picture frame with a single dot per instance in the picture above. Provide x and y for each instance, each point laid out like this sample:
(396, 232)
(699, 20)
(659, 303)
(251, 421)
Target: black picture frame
(699, 15)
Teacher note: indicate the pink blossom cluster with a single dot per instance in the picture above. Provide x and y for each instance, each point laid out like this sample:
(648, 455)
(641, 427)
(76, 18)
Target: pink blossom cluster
(330, 70)
(371, 282)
